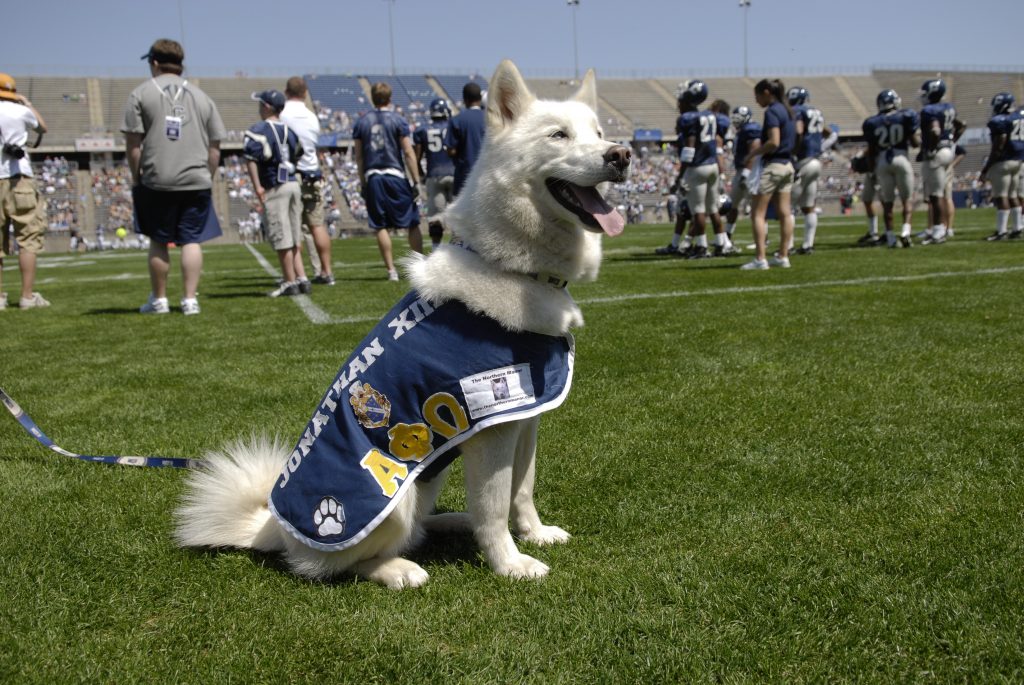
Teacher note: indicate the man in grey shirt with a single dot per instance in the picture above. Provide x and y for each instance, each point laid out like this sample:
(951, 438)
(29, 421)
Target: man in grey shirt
(172, 138)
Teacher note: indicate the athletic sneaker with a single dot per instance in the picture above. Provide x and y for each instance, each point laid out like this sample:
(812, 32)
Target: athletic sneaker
(3, 300)
(781, 262)
(996, 236)
(324, 279)
(285, 290)
(698, 252)
(805, 250)
(392, 275)
(155, 305)
(930, 240)
(905, 236)
(305, 287)
(189, 307)
(1015, 235)
(727, 251)
(669, 249)
(33, 302)
(756, 265)
(869, 240)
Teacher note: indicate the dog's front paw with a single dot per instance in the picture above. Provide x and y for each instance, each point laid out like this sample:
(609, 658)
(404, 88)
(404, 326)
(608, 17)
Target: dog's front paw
(545, 535)
(522, 566)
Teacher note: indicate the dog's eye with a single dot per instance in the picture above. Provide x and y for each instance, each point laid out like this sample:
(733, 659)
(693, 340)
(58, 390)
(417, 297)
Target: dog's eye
(558, 135)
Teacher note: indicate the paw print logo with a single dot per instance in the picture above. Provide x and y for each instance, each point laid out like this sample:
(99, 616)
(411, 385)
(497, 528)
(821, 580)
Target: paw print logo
(329, 517)
(410, 441)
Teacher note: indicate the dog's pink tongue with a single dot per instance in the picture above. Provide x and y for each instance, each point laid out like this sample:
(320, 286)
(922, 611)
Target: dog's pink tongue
(611, 221)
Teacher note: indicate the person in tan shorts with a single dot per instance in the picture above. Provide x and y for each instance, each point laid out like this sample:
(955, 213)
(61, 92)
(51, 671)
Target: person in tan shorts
(20, 203)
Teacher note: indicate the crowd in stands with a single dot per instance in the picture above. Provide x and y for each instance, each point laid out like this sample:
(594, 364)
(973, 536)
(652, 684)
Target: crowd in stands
(57, 185)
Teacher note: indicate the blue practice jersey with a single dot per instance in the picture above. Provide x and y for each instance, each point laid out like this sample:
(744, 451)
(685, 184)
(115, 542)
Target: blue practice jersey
(748, 133)
(424, 380)
(777, 116)
(466, 136)
(703, 126)
(1012, 126)
(381, 132)
(945, 114)
(891, 132)
(268, 143)
(431, 139)
(814, 125)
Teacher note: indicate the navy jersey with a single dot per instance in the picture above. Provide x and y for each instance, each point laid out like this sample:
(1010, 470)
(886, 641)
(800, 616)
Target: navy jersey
(431, 139)
(466, 136)
(703, 126)
(424, 380)
(741, 148)
(1012, 126)
(777, 116)
(891, 132)
(945, 114)
(722, 123)
(381, 132)
(814, 125)
(268, 143)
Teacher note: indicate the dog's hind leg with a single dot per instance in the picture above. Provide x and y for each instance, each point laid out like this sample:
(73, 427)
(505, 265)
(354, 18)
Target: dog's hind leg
(489, 458)
(525, 520)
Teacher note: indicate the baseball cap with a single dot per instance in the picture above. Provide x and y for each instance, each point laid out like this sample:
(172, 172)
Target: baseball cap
(164, 51)
(7, 88)
(271, 98)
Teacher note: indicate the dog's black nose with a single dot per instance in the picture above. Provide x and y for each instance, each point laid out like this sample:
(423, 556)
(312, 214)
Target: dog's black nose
(618, 156)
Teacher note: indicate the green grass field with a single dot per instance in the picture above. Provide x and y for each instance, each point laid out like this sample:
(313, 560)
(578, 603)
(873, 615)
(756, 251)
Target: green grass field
(804, 475)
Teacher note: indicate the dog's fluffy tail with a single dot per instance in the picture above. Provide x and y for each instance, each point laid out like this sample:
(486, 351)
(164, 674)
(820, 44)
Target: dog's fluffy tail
(225, 501)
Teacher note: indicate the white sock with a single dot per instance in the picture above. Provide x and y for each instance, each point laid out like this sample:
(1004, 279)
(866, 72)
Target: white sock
(702, 240)
(1018, 219)
(675, 240)
(938, 232)
(1002, 216)
(873, 225)
(906, 231)
(686, 242)
(810, 228)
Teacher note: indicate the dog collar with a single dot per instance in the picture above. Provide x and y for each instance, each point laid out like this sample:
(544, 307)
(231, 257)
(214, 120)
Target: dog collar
(544, 277)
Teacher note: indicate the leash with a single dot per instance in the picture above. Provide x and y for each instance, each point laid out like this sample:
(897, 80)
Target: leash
(30, 426)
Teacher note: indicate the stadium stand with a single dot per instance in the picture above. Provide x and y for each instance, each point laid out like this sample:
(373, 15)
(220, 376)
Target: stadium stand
(452, 87)
(89, 189)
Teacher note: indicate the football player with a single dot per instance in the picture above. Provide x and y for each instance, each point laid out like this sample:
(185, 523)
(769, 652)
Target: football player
(724, 141)
(1003, 166)
(747, 139)
(890, 133)
(698, 160)
(860, 165)
(939, 130)
(429, 143)
(810, 134)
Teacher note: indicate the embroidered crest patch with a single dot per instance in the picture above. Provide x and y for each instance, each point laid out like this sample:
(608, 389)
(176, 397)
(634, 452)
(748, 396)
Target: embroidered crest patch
(372, 408)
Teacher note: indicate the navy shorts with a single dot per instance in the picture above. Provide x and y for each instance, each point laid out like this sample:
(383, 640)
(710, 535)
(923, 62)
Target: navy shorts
(175, 216)
(390, 202)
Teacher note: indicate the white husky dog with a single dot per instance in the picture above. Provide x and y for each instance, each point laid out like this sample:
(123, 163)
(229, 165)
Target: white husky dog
(529, 219)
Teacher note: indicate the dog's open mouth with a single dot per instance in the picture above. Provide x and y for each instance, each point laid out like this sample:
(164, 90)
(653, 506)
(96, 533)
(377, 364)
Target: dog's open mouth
(586, 203)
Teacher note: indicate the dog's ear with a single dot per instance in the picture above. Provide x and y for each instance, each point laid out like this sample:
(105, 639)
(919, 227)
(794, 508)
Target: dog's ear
(507, 96)
(587, 94)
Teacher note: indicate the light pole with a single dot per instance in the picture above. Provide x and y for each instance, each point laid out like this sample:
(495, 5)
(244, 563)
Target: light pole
(745, 4)
(391, 35)
(575, 4)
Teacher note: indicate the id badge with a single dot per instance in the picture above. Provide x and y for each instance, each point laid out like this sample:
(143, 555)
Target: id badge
(172, 128)
(282, 174)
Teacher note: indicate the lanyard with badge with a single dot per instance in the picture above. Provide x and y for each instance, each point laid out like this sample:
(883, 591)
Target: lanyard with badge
(172, 123)
(284, 168)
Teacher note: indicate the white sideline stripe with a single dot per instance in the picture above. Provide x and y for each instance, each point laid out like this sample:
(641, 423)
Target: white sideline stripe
(312, 312)
(791, 286)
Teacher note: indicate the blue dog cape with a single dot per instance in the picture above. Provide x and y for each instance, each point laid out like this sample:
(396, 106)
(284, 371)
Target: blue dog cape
(424, 380)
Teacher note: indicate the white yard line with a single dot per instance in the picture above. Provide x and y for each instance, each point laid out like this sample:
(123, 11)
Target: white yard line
(743, 289)
(312, 312)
